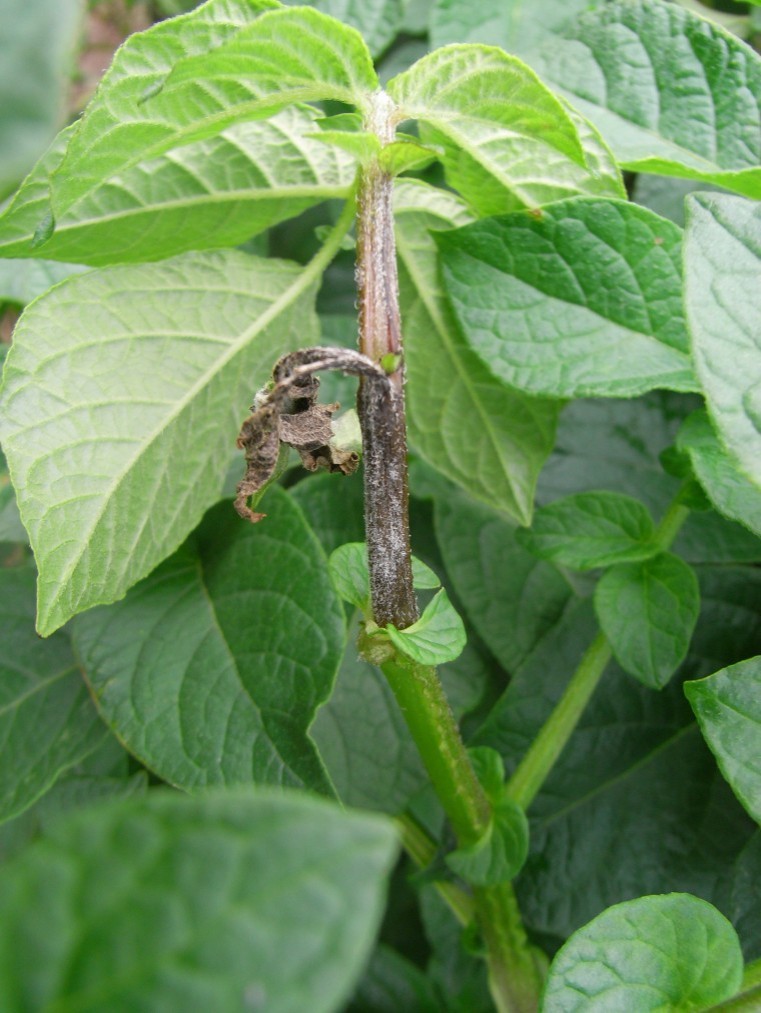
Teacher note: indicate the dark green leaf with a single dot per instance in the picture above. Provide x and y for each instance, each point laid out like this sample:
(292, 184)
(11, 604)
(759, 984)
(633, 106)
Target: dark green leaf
(511, 598)
(722, 259)
(648, 611)
(728, 489)
(583, 298)
(745, 904)
(591, 529)
(392, 983)
(500, 854)
(673, 952)
(689, 108)
(47, 720)
(251, 605)
(728, 707)
(489, 438)
(437, 637)
(134, 380)
(333, 506)
(176, 903)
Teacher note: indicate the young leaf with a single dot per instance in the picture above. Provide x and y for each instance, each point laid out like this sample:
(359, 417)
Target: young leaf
(254, 606)
(508, 141)
(133, 382)
(511, 598)
(489, 438)
(437, 637)
(591, 529)
(403, 155)
(670, 952)
(583, 298)
(728, 489)
(348, 570)
(728, 707)
(47, 720)
(191, 904)
(213, 193)
(500, 854)
(246, 72)
(722, 256)
(688, 109)
(647, 611)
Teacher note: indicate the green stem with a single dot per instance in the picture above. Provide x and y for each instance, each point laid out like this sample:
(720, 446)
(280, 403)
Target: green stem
(533, 769)
(672, 520)
(516, 969)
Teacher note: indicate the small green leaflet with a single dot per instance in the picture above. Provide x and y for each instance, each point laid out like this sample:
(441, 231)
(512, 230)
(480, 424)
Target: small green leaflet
(728, 707)
(348, 570)
(691, 108)
(579, 299)
(437, 637)
(648, 611)
(728, 489)
(508, 141)
(498, 856)
(591, 529)
(722, 263)
(668, 952)
(176, 903)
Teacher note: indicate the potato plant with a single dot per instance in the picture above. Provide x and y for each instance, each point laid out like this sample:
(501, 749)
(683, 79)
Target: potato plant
(469, 719)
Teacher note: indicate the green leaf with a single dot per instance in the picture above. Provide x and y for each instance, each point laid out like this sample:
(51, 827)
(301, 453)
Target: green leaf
(672, 952)
(11, 528)
(650, 813)
(392, 983)
(378, 21)
(348, 570)
(511, 598)
(252, 604)
(213, 193)
(333, 506)
(21, 281)
(403, 155)
(722, 257)
(689, 108)
(133, 380)
(364, 742)
(47, 720)
(500, 853)
(647, 611)
(746, 897)
(728, 707)
(591, 529)
(580, 299)
(513, 25)
(489, 768)
(437, 637)
(360, 144)
(190, 904)
(489, 438)
(36, 48)
(728, 489)
(508, 141)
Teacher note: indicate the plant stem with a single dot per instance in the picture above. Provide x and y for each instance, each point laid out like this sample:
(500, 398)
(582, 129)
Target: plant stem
(671, 522)
(516, 969)
(422, 851)
(533, 769)
(384, 436)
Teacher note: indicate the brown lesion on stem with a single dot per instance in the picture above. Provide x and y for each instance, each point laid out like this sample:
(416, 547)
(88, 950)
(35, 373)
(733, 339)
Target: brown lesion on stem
(381, 413)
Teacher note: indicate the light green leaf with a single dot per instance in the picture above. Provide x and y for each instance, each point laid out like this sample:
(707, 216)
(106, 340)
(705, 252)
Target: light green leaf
(37, 45)
(378, 21)
(122, 396)
(647, 611)
(669, 952)
(514, 25)
(728, 707)
(580, 299)
(11, 528)
(401, 156)
(47, 720)
(728, 489)
(360, 144)
(214, 193)
(23, 280)
(252, 604)
(591, 529)
(489, 768)
(511, 598)
(489, 438)
(722, 260)
(689, 108)
(508, 141)
(176, 903)
(349, 573)
(498, 856)
(437, 637)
